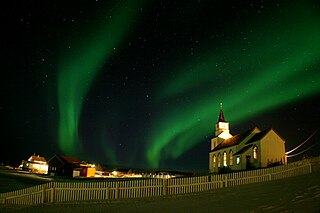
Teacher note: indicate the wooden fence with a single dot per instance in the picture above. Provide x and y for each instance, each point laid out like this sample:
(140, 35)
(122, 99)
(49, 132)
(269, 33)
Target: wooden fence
(108, 190)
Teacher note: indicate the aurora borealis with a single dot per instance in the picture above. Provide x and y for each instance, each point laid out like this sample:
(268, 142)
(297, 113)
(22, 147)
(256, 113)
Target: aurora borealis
(78, 69)
(273, 68)
(138, 83)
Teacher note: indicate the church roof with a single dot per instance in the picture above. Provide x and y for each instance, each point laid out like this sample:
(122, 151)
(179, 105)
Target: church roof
(235, 140)
(221, 117)
(258, 136)
(244, 149)
(261, 134)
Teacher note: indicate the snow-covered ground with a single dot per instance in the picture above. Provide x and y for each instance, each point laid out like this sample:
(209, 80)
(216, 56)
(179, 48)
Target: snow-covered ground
(297, 194)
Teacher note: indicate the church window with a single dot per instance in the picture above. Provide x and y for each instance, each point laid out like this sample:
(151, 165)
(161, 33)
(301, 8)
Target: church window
(219, 160)
(238, 160)
(231, 158)
(225, 159)
(214, 161)
(255, 153)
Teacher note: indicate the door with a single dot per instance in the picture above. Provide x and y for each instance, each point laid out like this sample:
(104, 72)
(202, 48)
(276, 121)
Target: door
(248, 158)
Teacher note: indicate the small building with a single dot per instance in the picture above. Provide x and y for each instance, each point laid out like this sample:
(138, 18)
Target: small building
(64, 166)
(254, 148)
(87, 170)
(35, 164)
(70, 166)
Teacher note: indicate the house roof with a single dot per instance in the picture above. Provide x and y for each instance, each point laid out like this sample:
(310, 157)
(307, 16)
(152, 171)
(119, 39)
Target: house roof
(244, 149)
(37, 158)
(69, 159)
(235, 140)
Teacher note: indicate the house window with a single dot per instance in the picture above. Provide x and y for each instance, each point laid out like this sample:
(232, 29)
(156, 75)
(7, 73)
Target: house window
(225, 159)
(219, 160)
(214, 161)
(238, 160)
(255, 153)
(231, 158)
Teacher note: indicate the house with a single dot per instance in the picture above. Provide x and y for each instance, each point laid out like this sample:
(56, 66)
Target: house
(87, 170)
(35, 164)
(64, 166)
(70, 166)
(254, 148)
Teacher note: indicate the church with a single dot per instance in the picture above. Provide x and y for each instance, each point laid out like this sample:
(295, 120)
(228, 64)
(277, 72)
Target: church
(252, 149)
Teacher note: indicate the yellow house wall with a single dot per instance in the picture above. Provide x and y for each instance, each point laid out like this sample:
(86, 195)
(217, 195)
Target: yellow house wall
(216, 141)
(211, 162)
(243, 143)
(243, 161)
(91, 172)
(235, 165)
(272, 148)
(221, 151)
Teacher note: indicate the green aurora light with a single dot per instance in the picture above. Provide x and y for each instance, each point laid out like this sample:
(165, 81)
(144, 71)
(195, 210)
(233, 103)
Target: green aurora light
(79, 66)
(282, 55)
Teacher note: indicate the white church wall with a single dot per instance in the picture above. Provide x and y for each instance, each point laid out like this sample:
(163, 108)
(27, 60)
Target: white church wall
(272, 149)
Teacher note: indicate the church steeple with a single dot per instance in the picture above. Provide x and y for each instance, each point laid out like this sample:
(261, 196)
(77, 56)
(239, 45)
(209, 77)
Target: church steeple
(222, 130)
(221, 117)
(222, 125)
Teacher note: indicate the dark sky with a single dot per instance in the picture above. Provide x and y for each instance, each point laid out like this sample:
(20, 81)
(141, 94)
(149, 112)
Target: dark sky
(139, 83)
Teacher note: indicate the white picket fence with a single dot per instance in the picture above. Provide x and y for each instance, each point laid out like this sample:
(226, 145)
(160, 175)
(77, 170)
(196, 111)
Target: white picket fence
(108, 190)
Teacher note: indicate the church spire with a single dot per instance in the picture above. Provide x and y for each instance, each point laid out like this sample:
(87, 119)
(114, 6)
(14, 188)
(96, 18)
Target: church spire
(221, 117)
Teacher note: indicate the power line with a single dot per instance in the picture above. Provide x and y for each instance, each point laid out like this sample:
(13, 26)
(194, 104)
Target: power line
(303, 142)
(289, 156)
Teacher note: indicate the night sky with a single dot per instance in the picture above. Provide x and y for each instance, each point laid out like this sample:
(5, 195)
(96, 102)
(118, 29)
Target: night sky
(139, 83)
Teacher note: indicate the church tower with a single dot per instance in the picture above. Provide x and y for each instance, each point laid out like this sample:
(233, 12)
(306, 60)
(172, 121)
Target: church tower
(222, 125)
(222, 130)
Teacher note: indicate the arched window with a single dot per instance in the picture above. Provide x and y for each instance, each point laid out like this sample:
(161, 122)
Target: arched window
(231, 158)
(255, 153)
(214, 161)
(225, 158)
(238, 160)
(219, 160)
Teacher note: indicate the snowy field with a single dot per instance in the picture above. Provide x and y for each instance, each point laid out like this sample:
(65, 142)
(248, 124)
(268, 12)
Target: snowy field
(297, 194)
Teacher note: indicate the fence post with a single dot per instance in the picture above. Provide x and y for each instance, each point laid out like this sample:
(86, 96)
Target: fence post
(43, 194)
(270, 177)
(107, 193)
(221, 181)
(52, 195)
(225, 181)
(164, 187)
(117, 190)
(310, 168)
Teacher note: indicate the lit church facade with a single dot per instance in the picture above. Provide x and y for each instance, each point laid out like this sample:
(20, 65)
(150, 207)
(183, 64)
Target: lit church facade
(254, 148)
